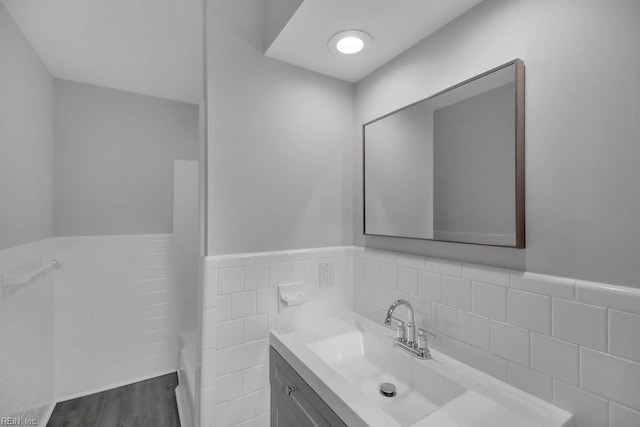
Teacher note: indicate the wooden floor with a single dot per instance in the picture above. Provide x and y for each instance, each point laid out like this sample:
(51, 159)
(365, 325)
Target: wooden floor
(149, 403)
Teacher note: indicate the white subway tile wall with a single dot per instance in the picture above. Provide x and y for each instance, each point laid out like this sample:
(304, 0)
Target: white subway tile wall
(510, 342)
(473, 330)
(26, 336)
(619, 416)
(116, 309)
(240, 298)
(611, 377)
(456, 292)
(529, 311)
(580, 323)
(490, 364)
(589, 409)
(531, 381)
(572, 343)
(624, 335)
(489, 301)
(556, 358)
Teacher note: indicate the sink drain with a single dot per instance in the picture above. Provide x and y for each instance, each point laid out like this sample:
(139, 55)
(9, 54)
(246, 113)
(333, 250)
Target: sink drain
(387, 389)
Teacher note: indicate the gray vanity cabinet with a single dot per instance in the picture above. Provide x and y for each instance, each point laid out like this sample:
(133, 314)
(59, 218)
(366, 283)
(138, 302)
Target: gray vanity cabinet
(293, 401)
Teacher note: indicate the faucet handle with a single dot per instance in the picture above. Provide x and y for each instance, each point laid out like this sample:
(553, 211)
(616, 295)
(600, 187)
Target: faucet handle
(422, 341)
(400, 331)
(425, 332)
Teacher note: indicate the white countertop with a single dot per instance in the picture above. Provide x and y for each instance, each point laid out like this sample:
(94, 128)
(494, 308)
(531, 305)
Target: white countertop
(345, 358)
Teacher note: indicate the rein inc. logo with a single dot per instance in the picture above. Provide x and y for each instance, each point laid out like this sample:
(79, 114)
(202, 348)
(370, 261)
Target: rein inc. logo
(18, 421)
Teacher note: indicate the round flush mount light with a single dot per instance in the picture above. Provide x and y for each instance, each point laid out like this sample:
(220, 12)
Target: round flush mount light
(349, 42)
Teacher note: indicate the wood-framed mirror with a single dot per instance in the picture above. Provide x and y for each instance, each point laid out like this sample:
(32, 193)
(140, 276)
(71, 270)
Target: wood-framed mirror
(450, 167)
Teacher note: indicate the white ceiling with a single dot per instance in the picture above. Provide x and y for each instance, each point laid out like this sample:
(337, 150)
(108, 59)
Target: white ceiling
(394, 26)
(150, 47)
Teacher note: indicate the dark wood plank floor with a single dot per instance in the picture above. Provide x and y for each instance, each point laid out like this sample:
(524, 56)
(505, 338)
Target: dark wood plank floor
(149, 403)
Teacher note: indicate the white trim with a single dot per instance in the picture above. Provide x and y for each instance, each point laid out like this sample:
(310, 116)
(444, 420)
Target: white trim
(212, 262)
(47, 415)
(619, 294)
(115, 236)
(116, 385)
(183, 413)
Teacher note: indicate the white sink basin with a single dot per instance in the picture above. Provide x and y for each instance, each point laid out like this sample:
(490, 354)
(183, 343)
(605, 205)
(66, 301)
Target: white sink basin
(365, 361)
(345, 359)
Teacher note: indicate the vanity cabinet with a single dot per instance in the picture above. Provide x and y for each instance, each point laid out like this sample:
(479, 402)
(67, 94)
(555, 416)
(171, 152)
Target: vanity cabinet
(293, 401)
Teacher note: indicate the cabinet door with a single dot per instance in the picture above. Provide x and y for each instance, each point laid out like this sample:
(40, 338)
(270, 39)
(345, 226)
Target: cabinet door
(293, 401)
(282, 415)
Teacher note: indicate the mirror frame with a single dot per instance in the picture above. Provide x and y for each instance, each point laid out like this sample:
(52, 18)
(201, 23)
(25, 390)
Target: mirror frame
(519, 157)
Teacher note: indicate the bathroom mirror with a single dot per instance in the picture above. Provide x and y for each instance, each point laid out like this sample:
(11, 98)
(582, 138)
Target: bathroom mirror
(451, 167)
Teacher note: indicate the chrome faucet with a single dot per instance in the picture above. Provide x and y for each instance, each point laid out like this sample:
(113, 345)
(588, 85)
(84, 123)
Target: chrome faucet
(410, 331)
(406, 333)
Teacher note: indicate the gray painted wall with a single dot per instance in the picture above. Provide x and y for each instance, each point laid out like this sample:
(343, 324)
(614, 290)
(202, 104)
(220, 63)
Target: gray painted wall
(113, 161)
(474, 168)
(279, 141)
(583, 122)
(26, 139)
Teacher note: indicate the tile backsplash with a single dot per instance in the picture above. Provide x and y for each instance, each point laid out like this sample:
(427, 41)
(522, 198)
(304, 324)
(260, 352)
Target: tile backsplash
(240, 307)
(569, 342)
(573, 343)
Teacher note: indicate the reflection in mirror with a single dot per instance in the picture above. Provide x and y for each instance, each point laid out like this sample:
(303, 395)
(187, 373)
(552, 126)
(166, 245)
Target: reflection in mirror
(400, 185)
(449, 168)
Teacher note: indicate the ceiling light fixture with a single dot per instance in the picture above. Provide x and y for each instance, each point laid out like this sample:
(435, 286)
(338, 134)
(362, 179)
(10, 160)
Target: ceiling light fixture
(349, 42)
